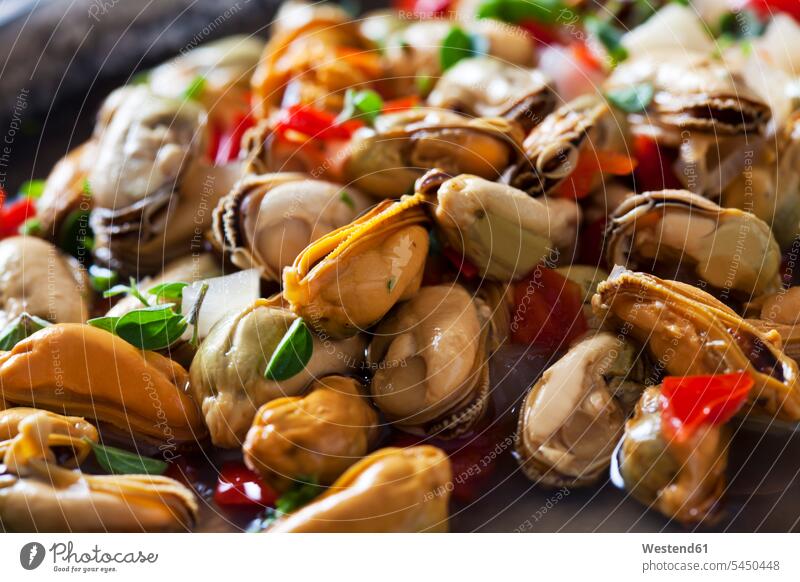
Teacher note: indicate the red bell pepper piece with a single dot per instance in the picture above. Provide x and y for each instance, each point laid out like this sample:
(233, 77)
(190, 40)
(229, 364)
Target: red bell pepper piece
(460, 262)
(691, 401)
(768, 8)
(548, 310)
(231, 139)
(591, 163)
(654, 168)
(13, 216)
(400, 104)
(314, 124)
(238, 485)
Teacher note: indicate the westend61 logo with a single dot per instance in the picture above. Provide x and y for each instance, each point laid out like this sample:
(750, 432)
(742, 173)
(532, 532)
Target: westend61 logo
(67, 559)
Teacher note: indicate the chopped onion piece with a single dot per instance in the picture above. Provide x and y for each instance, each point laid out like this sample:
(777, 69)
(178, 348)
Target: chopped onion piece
(236, 291)
(780, 45)
(674, 27)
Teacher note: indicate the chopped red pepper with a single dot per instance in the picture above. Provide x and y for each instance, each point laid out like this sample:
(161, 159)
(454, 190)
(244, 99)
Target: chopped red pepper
(584, 55)
(314, 124)
(230, 140)
(14, 215)
(238, 485)
(424, 8)
(654, 169)
(768, 8)
(691, 401)
(548, 310)
(460, 262)
(591, 163)
(400, 104)
(542, 33)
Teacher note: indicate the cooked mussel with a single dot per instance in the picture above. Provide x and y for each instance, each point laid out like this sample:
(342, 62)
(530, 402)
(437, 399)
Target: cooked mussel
(489, 87)
(679, 235)
(38, 279)
(688, 332)
(501, 230)
(682, 478)
(350, 278)
(81, 370)
(391, 490)
(386, 159)
(573, 416)
(313, 56)
(70, 432)
(692, 91)
(770, 185)
(66, 198)
(36, 494)
(267, 220)
(582, 131)
(431, 362)
(228, 372)
(316, 436)
(223, 65)
(152, 188)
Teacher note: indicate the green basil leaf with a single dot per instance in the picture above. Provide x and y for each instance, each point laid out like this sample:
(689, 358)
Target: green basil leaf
(347, 199)
(741, 24)
(19, 328)
(122, 462)
(102, 279)
(31, 226)
(149, 328)
(172, 291)
(75, 235)
(514, 11)
(633, 99)
(195, 88)
(301, 493)
(116, 290)
(87, 188)
(609, 36)
(32, 189)
(456, 45)
(292, 353)
(365, 105)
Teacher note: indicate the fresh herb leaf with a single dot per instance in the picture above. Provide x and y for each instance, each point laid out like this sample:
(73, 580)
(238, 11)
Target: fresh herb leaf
(172, 291)
(513, 11)
(609, 36)
(741, 24)
(140, 78)
(32, 189)
(424, 83)
(301, 493)
(121, 462)
(87, 188)
(365, 105)
(633, 99)
(292, 353)
(195, 88)
(269, 516)
(19, 328)
(456, 45)
(347, 199)
(130, 289)
(31, 226)
(390, 284)
(75, 235)
(149, 328)
(102, 279)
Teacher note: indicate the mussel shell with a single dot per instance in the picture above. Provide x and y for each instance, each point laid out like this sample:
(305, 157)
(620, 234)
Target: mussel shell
(431, 362)
(689, 332)
(679, 235)
(693, 92)
(552, 149)
(573, 416)
(489, 87)
(387, 159)
(267, 220)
